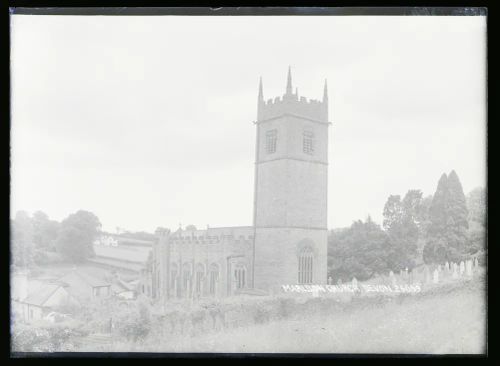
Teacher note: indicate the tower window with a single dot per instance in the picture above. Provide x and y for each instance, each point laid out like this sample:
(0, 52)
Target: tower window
(271, 137)
(308, 142)
(305, 266)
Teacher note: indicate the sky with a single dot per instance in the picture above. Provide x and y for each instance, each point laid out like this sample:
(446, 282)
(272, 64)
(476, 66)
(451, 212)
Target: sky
(147, 121)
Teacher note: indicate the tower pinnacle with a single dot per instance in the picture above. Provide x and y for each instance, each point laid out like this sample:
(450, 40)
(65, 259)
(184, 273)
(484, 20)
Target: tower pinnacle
(261, 93)
(325, 92)
(289, 82)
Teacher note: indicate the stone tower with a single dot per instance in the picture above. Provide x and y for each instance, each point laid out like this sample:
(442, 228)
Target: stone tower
(290, 198)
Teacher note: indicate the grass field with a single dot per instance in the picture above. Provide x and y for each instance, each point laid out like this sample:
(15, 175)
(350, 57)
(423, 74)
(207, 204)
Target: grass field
(448, 320)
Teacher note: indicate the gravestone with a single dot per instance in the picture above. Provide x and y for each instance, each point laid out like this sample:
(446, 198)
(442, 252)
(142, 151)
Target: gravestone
(476, 262)
(447, 266)
(468, 268)
(315, 291)
(354, 283)
(427, 275)
(339, 282)
(411, 276)
(393, 278)
(462, 268)
(454, 274)
(330, 280)
(435, 276)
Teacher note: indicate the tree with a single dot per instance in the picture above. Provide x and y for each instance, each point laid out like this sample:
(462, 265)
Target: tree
(435, 249)
(72, 244)
(77, 234)
(358, 251)
(423, 215)
(412, 206)
(476, 205)
(22, 247)
(45, 231)
(457, 213)
(447, 230)
(393, 211)
(401, 224)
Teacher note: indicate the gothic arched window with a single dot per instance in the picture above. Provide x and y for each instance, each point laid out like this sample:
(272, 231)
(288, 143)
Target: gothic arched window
(173, 275)
(200, 273)
(186, 277)
(213, 279)
(306, 266)
(240, 276)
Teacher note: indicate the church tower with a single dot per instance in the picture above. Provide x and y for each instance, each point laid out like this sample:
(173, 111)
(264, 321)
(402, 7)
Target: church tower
(290, 198)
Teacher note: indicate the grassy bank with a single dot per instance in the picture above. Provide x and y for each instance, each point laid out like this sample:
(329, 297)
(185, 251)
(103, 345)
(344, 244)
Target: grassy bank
(446, 320)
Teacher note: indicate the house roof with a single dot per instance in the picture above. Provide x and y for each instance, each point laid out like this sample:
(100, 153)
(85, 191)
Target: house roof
(129, 254)
(123, 239)
(79, 284)
(224, 230)
(42, 294)
(120, 286)
(116, 263)
(88, 279)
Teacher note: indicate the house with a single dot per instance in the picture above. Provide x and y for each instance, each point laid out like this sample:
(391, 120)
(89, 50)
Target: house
(39, 298)
(122, 289)
(85, 287)
(128, 256)
(106, 240)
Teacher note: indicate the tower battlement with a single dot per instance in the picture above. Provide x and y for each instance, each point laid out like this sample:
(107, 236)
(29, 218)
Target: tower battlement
(292, 103)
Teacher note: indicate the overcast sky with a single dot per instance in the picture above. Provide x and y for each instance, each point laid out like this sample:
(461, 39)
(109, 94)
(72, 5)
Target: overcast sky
(147, 121)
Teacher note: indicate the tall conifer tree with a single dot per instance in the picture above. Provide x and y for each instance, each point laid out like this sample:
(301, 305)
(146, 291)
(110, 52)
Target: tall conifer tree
(457, 215)
(447, 231)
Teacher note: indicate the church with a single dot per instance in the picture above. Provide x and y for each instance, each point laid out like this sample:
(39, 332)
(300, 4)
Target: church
(287, 243)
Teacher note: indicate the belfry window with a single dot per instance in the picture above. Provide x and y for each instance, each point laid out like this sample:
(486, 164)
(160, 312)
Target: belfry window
(271, 139)
(305, 266)
(308, 142)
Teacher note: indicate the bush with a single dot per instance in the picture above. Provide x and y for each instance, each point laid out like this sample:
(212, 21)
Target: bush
(285, 307)
(133, 323)
(40, 257)
(45, 337)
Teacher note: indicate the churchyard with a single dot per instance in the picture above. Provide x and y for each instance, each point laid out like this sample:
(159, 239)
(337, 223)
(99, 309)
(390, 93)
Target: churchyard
(446, 316)
(451, 321)
(433, 309)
